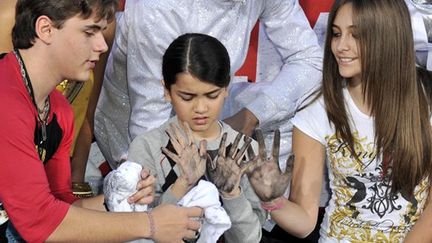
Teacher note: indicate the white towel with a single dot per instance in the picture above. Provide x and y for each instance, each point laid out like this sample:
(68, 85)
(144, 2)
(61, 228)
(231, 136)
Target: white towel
(120, 184)
(216, 220)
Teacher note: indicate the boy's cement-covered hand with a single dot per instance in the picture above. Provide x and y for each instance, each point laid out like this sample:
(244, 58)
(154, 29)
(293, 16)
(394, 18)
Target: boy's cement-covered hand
(190, 160)
(225, 171)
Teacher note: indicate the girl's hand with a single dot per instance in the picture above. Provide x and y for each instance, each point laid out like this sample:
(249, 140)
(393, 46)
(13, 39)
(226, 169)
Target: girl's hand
(268, 181)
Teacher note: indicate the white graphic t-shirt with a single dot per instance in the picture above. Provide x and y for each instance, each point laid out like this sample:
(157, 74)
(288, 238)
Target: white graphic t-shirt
(362, 207)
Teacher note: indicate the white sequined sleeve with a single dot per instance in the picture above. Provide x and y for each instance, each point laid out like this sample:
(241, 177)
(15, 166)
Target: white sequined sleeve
(288, 29)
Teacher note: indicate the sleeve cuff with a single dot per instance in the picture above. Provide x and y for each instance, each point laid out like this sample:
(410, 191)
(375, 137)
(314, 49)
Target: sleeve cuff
(234, 204)
(263, 108)
(168, 197)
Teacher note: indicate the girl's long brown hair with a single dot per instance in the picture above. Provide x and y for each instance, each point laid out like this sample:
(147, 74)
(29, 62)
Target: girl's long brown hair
(390, 86)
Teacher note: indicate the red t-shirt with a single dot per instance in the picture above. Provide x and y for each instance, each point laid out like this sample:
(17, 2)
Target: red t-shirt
(36, 196)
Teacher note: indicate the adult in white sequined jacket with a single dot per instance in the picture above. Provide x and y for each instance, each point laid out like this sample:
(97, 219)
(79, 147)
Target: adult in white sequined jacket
(131, 101)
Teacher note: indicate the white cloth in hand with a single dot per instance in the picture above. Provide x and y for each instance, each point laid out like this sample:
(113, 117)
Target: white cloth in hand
(216, 220)
(120, 184)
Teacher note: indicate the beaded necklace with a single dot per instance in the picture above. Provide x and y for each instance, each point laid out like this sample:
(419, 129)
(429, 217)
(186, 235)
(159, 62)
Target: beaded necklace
(43, 114)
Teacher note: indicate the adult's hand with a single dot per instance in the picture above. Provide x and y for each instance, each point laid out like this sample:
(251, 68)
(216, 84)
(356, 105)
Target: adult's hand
(265, 176)
(243, 121)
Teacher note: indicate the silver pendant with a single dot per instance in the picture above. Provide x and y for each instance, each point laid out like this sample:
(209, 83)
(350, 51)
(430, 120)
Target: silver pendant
(44, 133)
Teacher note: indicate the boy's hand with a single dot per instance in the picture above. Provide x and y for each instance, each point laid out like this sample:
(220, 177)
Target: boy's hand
(226, 171)
(145, 187)
(190, 161)
(184, 224)
(265, 176)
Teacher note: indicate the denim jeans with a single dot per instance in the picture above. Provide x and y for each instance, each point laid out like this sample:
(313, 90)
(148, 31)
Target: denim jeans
(12, 235)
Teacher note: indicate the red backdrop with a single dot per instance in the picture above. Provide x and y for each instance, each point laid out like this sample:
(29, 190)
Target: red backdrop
(312, 9)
